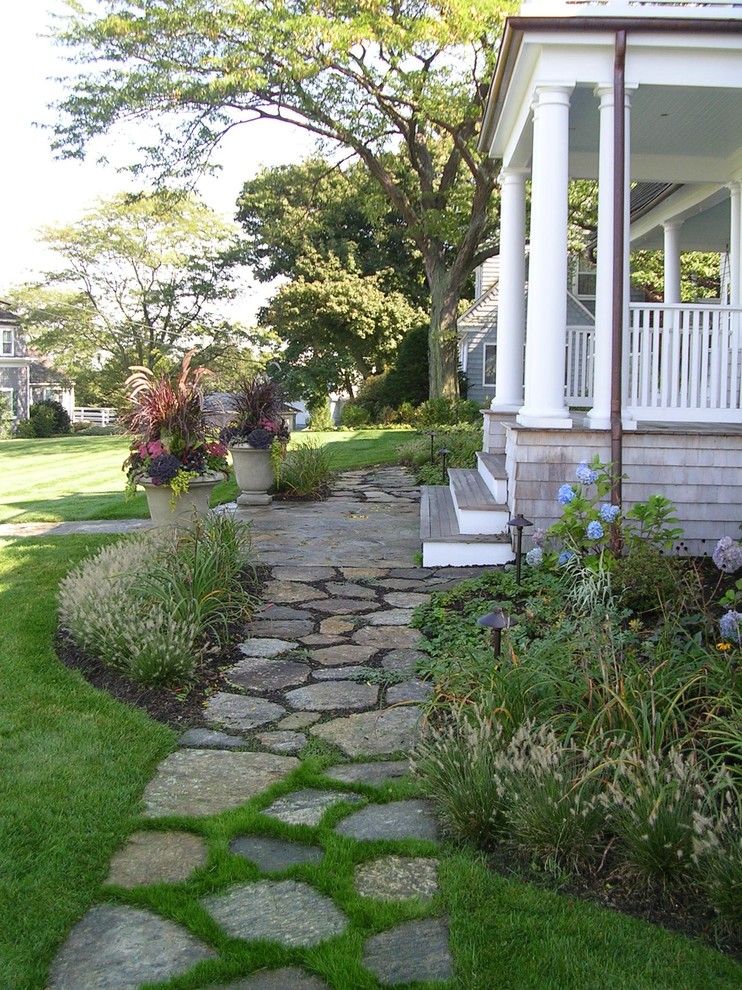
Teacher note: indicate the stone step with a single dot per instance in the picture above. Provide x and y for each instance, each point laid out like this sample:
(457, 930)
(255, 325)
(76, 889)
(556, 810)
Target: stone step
(494, 474)
(476, 510)
(444, 545)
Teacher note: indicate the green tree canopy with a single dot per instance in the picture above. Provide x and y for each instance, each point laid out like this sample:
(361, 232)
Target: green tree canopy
(400, 84)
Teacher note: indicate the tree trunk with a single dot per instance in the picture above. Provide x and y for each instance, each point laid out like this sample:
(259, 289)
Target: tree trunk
(443, 351)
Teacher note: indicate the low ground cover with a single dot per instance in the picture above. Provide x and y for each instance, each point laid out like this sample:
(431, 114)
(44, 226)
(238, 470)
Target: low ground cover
(461, 443)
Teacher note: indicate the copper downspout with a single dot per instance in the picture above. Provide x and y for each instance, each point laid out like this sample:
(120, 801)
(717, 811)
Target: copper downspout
(619, 273)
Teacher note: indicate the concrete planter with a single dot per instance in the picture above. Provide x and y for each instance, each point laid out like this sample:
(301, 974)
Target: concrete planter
(194, 502)
(254, 473)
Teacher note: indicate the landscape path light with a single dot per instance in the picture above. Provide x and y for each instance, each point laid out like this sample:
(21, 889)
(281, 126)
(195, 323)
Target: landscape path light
(431, 434)
(497, 620)
(443, 454)
(518, 523)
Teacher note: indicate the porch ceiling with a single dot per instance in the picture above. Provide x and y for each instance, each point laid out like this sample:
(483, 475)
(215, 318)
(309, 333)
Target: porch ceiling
(704, 230)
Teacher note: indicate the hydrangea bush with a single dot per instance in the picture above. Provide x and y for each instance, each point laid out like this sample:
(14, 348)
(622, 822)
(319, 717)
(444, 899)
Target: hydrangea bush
(727, 556)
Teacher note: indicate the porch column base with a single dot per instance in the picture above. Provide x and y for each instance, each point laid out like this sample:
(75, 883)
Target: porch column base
(598, 422)
(545, 422)
(505, 407)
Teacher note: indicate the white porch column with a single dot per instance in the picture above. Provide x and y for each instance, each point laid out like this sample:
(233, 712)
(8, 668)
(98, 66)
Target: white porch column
(672, 260)
(511, 306)
(735, 243)
(546, 333)
(599, 417)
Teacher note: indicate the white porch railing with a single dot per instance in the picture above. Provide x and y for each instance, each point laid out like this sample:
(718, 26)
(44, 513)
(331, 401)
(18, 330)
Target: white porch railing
(579, 367)
(683, 363)
(98, 415)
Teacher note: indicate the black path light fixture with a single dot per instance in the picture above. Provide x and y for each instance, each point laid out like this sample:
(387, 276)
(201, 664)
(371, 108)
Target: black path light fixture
(496, 620)
(518, 523)
(443, 454)
(432, 435)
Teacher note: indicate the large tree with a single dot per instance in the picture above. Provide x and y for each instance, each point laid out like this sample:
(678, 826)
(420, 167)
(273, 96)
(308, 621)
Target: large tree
(399, 83)
(141, 280)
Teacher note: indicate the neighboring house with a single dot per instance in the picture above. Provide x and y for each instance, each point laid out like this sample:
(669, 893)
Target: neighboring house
(25, 376)
(678, 375)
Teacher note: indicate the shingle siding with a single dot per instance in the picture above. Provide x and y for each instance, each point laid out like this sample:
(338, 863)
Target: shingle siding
(483, 394)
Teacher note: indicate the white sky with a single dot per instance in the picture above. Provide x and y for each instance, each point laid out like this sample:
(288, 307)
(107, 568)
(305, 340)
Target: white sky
(36, 189)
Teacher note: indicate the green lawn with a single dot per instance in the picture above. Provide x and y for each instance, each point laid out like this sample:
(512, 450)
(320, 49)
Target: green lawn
(68, 478)
(75, 762)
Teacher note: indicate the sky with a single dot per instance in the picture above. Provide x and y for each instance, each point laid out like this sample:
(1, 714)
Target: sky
(36, 189)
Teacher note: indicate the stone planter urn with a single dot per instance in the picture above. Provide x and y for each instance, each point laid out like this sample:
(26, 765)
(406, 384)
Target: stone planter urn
(194, 502)
(254, 473)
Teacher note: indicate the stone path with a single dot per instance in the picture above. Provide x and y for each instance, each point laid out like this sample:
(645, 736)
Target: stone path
(330, 656)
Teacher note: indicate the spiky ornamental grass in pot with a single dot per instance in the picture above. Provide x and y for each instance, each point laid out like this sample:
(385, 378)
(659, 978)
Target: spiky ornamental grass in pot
(174, 456)
(257, 438)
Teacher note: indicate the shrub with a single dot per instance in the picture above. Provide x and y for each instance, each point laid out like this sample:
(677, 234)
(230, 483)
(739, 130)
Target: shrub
(644, 579)
(305, 472)
(320, 420)
(354, 416)
(462, 444)
(50, 418)
(6, 418)
(447, 412)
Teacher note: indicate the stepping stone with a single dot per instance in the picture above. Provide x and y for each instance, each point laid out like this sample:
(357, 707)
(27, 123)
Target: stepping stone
(396, 820)
(267, 674)
(266, 647)
(282, 612)
(236, 711)
(307, 807)
(286, 978)
(157, 857)
(397, 878)
(283, 627)
(359, 673)
(282, 741)
(304, 574)
(116, 947)
(336, 626)
(406, 599)
(287, 592)
(363, 572)
(274, 855)
(411, 573)
(318, 639)
(402, 661)
(298, 720)
(416, 950)
(397, 584)
(387, 637)
(376, 733)
(413, 690)
(330, 696)
(284, 911)
(210, 739)
(346, 589)
(206, 782)
(346, 653)
(392, 617)
(343, 606)
(368, 773)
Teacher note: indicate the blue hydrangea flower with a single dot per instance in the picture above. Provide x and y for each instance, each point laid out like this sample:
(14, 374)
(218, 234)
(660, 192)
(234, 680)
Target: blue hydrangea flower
(730, 626)
(565, 495)
(585, 474)
(538, 537)
(535, 557)
(594, 530)
(564, 557)
(609, 513)
(727, 555)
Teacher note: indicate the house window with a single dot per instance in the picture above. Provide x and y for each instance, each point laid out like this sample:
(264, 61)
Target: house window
(8, 343)
(490, 362)
(8, 394)
(584, 279)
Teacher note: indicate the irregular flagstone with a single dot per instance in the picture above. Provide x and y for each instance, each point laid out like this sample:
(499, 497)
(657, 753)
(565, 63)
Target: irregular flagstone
(358, 673)
(282, 741)
(391, 617)
(273, 855)
(343, 606)
(156, 857)
(306, 807)
(282, 612)
(319, 639)
(291, 591)
(304, 574)
(413, 690)
(415, 950)
(329, 696)
(210, 739)
(376, 733)
(369, 773)
(116, 947)
(387, 637)
(411, 819)
(286, 978)
(289, 628)
(346, 589)
(336, 625)
(266, 647)
(406, 599)
(344, 654)
(396, 878)
(397, 584)
(267, 673)
(363, 572)
(207, 782)
(402, 661)
(237, 711)
(286, 911)
(298, 720)
(412, 573)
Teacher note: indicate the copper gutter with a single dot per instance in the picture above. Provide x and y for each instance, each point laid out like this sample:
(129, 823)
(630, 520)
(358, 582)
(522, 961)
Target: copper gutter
(619, 273)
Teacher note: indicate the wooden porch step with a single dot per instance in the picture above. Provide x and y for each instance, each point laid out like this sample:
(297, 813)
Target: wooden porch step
(444, 545)
(471, 493)
(495, 464)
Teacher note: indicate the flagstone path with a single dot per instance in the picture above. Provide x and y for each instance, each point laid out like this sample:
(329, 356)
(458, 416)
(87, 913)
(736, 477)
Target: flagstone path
(330, 656)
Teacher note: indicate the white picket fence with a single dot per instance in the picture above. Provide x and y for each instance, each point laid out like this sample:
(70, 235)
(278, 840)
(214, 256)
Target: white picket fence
(97, 415)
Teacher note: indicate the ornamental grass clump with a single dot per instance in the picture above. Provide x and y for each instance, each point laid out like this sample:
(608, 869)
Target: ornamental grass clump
(305, 472)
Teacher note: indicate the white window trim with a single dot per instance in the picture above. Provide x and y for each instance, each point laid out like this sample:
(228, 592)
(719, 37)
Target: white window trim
(11, 352)
(485, 383)
(9, 393)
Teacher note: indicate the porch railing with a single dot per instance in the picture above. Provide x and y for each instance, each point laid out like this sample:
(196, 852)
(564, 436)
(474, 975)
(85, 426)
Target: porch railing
(579, 367)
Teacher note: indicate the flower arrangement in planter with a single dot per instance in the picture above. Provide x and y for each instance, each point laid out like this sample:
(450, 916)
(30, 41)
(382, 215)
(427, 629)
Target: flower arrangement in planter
(257, 438)
(174, 457)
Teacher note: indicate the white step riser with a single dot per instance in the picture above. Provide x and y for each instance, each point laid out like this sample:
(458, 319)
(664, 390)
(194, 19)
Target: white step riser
(478, 522)
(466, 554)
(497, 486)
